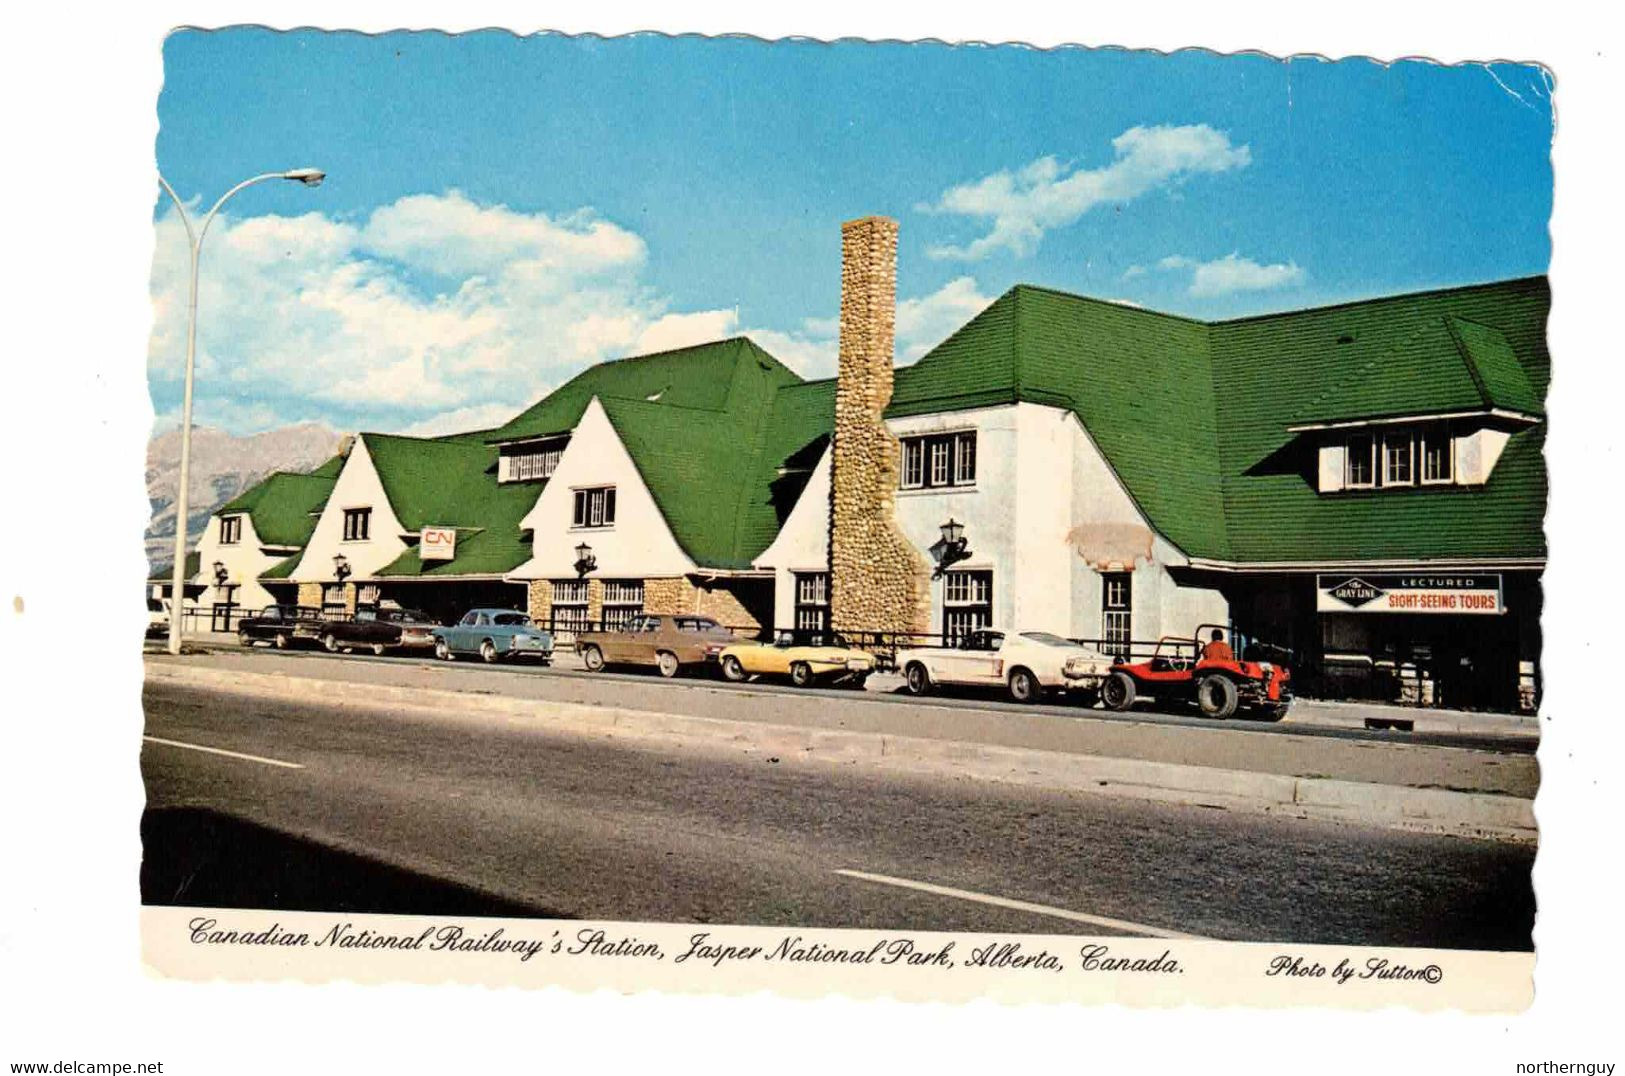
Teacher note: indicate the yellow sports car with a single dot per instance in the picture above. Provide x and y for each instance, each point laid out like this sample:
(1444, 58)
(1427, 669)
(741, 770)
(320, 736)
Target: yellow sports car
(831, 662)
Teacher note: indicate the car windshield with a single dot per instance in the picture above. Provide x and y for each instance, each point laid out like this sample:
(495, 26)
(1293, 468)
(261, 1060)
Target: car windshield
(510, 619)
(1045, 637)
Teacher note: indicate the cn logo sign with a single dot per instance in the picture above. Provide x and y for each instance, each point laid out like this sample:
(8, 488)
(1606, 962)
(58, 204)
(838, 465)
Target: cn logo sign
(437, 543)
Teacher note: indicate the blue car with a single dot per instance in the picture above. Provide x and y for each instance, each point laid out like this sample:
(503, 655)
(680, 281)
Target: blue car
(495, 635)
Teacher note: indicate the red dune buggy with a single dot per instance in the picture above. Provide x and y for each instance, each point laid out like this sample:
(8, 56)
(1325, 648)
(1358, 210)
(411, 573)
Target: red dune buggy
(1221, 685)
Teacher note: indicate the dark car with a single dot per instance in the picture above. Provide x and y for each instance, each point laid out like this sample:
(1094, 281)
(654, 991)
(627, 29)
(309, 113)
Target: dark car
(281, 626)
(380, 630)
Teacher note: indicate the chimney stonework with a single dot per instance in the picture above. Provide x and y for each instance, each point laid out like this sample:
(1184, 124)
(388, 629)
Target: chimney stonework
(878, 580)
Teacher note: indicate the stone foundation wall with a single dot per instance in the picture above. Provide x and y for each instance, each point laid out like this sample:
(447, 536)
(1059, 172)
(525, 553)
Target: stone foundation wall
(878, 580)
(310, 594)
(539, 599)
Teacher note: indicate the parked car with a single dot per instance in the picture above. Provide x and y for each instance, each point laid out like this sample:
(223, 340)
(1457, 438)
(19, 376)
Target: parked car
(1026, 664)
(495, 635)
(281, 626)
(1183, 671)
(157, 618)
(379, 630)
(805, 663)
(669, 643)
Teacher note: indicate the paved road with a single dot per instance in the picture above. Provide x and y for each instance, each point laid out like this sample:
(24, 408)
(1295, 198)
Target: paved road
(414, 812)
(1498, 766)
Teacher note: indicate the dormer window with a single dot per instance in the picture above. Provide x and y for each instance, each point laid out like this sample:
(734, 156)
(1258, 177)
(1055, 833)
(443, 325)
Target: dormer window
(1437, 452)
(1398, 458)
(231, 530)
(1361, 472)
(531, 462)
(357, 524)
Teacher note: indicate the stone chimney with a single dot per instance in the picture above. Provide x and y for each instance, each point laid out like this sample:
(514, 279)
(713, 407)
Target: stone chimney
(878, 580)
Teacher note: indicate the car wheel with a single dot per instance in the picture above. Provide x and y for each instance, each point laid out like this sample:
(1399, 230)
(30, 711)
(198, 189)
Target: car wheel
(1217, 696)
(280, 640)
(733, 669)
(442, 650)
(1118, 691)
(330, 644)
(243, 638)
(488, 652)
(1024, 686)
(667, 663)
(917, 679)
(857, 682)
(801, 674)
(593, 659)
(378, 650)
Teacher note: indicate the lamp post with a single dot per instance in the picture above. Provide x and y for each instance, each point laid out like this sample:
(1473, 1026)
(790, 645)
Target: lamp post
(310, 177)
(953, 547)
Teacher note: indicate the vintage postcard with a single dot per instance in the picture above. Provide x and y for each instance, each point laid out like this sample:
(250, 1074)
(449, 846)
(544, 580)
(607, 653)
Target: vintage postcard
(893, 520)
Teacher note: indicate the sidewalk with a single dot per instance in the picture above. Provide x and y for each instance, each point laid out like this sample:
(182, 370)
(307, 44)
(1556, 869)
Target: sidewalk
(1393, 785)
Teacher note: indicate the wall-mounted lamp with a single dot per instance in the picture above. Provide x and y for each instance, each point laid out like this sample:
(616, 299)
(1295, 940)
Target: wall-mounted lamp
(952, 548)
(219, 574)
(341, 567)
(585, 561)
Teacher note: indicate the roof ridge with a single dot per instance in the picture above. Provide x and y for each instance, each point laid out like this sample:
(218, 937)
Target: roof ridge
(1424, 293)
(1466, 358)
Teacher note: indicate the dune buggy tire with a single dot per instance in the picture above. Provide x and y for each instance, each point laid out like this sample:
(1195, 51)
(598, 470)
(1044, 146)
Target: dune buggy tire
(1117, 691)
(1217, 697)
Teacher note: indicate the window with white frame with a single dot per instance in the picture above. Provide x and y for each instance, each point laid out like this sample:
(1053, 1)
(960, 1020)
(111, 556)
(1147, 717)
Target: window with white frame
(594, 507)
(1117, 612)
(357, 524)
(967, 603)
(1437, 453)
(939, 460)
(333, 599)
(231, 530)
(1398, 458)
(1361, 472)
(570, 605)
(623, 600)
(812, 601)
(532, 463)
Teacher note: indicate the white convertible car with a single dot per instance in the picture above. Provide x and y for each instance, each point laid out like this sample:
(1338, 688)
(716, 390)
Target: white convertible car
(1027, 664)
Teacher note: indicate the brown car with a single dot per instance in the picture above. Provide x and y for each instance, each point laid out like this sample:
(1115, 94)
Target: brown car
(669, 643)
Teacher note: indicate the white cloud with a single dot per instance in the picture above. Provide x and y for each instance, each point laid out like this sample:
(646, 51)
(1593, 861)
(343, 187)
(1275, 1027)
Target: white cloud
(1025, 204)
(1233, 273)
(433, 304)
(461, 420)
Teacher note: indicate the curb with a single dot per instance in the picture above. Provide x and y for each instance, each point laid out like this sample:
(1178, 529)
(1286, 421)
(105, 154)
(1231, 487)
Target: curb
(1428, 810)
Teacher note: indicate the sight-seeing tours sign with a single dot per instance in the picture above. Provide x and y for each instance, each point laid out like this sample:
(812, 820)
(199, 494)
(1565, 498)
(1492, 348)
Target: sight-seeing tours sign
(1409, 592)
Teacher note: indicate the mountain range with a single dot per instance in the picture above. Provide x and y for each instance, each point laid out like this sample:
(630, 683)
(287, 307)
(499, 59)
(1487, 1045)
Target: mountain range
(223, 465)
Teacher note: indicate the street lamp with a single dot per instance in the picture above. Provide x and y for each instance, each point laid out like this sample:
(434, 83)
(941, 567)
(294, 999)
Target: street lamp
(309, 177)
(585, 561)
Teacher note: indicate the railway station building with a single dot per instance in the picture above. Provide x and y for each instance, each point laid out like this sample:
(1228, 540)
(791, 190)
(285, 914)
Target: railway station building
(1361, 484)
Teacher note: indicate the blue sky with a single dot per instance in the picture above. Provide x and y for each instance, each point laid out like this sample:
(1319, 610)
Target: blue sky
(501, 211)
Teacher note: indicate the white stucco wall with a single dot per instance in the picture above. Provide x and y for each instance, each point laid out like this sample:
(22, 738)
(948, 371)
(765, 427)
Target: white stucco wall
(639, 545)
(1047, 515)
(357, 486)
(244, 561)
(802, 544)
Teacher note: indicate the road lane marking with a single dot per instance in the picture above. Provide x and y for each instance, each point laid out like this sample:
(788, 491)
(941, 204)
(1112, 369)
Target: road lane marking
(223, 751)
(1022, 906)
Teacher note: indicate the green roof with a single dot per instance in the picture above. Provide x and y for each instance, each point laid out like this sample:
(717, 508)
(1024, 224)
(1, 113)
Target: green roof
(1193, 416)
(451, 482)
(702, 377)
(283, 568)
(163, 573)
(284, 506)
